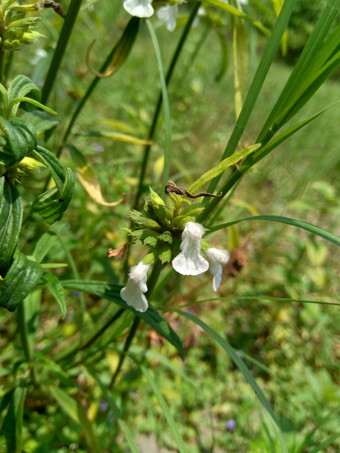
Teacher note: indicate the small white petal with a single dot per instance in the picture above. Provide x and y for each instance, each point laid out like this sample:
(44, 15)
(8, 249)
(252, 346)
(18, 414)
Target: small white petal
(190, 261)
(216, 258)
(132, 293)
(139, 8)
(167, 14)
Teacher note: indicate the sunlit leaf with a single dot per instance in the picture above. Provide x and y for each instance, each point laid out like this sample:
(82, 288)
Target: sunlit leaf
(117, 136)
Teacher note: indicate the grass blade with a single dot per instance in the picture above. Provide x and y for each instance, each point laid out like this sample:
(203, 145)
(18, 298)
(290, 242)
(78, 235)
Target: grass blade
(240, 364)
(288, 221)
(167, 414)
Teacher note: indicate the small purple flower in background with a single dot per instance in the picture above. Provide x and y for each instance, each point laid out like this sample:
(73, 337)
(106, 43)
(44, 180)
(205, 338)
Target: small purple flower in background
(76, 294)
(98, 148)
(103, 405)
(230, 425)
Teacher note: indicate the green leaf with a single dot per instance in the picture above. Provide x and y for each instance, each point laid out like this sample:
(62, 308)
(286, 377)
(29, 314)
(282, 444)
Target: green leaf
(45, 243)
(121, 50)
(88, 178)
(111, 292)
(11, 212)
(116, 136)
(222, 166)
(40, 121)
(21, 278)
(52, 204)
(22, 139)
(167, 414)
(75, 411)
(22, 86)
(11, 429)
(287, 220)
(55, 287)
(238, 362)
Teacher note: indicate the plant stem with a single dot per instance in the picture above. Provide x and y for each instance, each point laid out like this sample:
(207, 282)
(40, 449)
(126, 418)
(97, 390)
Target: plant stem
(23, 332)
(64, 37)
(159, 102)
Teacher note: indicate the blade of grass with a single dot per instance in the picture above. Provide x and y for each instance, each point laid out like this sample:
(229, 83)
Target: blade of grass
(166, 411)
(166, 106)
(241, 366)
(256, 85)
(288, 221)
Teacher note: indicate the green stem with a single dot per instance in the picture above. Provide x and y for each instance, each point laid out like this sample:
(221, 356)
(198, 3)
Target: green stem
(159, 102)
(64, 37)
(26, 345)
(2, 54)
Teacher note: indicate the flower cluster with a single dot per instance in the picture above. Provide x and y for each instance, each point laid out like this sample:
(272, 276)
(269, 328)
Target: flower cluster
(189, 261)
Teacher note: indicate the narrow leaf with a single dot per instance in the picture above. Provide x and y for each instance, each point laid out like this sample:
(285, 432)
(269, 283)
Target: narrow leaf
(111, 292)
(53, 284)
(167, 414)
(222, 166)
(236, 359)
(75, 411)
(11, 428)
(88, 178)
(289, 221)
(117, 136)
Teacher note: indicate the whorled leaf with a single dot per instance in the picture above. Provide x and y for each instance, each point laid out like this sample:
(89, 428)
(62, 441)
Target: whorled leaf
(11, 212)
(20, 279)
(22, 139)
(52, 204)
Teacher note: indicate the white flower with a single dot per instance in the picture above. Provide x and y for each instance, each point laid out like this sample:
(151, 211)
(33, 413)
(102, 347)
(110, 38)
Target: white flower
(216, 258)
(190, 261)
(139, 8)
(167, 14)
(133, 292)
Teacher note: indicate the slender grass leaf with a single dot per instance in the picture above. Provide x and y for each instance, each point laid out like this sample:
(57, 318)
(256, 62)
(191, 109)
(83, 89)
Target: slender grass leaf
(238, 362)
(121, 50)
(88, 178)
(117, 136)
(166, 107)
(11, 212)
(11, 429)
(53, 284)
(112, 292)
(75, 411)
(238, 13)
(241, 60)
(275, 142)
(325, 443)
(166, 411)
(222, 166)
(302, 67)
(284, 43)
(21, 278)
(255, 87)
(288, 221)
(129, 436)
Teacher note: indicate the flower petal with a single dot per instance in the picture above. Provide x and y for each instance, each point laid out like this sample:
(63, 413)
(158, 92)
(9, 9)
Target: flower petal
(216, 258)
(139, 8)
(167, 14)
(134, 297)
(190, 265)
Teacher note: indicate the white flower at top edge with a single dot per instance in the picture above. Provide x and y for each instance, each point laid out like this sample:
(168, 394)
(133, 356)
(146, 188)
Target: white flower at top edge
(133, 292)
(139, 8)
(167, 14)
(190, 261)
(216, 259)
